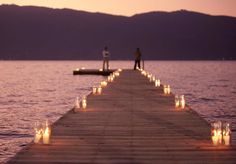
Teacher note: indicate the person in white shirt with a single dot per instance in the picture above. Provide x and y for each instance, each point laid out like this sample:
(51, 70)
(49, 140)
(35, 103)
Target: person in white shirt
(106, 55)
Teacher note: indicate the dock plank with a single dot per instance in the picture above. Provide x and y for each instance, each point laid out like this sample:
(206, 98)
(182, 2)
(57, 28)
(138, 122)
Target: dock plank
(131, 122)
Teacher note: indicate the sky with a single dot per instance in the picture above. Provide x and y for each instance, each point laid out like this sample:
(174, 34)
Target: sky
(131, 7)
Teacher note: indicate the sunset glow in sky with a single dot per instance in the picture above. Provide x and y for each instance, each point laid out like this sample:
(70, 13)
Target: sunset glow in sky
(131, 7)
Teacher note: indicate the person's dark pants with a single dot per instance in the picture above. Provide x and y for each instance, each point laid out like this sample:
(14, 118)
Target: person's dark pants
(135, 65)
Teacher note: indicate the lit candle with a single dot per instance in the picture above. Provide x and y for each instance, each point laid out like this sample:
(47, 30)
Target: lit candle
(182, 101)
(216, 132)
(100, 70)
(103, 83)
(37, 136)
(215, 137)
(94, 90)
(46, 134)
(168, 89)
(153, 78)
(165, 89)
(143, 72)
(177, 103)
(84, 102)
(226, 140)
(117, 74)
(226, 134)
(157, 83)
(119, 69)
(109, 78)
(112, 78)
(99, 90)
(77, 69)
(214, 140)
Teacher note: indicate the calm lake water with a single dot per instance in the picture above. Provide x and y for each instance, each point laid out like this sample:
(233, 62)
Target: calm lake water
(33, 91)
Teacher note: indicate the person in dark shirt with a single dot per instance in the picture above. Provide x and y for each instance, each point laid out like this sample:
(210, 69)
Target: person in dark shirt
(137, 55)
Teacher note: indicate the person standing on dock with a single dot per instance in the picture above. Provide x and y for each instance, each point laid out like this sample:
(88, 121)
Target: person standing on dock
(106, 55)
(137, 55)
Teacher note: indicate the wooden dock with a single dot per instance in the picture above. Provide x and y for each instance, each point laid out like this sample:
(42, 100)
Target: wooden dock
(92, 72)
(131, 122)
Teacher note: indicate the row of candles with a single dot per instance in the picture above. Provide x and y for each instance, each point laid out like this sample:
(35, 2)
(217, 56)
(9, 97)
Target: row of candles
(96, 90)
(179, 100)
(220, 132)
(42, 133)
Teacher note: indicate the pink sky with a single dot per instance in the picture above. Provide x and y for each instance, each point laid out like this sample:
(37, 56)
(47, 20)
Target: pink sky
(130, 7)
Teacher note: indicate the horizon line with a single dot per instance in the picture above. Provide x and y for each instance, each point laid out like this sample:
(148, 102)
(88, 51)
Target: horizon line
(99, 12)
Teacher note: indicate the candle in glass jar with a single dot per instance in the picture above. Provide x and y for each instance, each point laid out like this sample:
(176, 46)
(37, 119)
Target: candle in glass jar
(157, 83)
(226, 133)
(94, 90)
(214, 140)
(99, 90)
(112, 78)
(37, 136)
(153, 78)
(46, 134)
(84, 102)
(182, 101)
(117, 74)
(165, 89)
(168, 89)
(103, 83)
(226, 140)
(177, 103)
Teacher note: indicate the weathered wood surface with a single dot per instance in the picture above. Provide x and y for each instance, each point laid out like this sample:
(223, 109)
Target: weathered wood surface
(92, 72)
(131, 122)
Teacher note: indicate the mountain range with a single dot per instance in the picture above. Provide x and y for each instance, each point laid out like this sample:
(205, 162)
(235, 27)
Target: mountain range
(39, 33)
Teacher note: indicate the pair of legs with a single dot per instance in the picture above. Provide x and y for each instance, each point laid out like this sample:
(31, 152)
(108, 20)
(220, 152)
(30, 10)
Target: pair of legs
(105, 62)
(135, 64)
